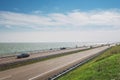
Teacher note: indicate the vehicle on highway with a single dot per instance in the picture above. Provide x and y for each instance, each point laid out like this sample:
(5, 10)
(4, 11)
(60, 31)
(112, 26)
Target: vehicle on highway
(23, 55)
(62, 48)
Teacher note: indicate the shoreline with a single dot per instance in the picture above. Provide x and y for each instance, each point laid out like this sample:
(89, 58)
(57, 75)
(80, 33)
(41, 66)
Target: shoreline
(9, 49)
(48, 68)
(32, 52)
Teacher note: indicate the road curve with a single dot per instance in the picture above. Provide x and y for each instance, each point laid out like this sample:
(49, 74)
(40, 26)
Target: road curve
(43, 70)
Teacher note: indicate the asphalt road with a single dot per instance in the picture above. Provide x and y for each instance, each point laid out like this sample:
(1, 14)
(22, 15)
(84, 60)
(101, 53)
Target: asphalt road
(39, 54)
(44, 69)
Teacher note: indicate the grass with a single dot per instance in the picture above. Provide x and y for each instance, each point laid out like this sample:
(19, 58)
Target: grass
(103, 67)
(23, 63)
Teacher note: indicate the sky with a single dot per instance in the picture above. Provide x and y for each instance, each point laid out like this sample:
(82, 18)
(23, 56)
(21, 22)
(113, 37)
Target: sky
(59, 20)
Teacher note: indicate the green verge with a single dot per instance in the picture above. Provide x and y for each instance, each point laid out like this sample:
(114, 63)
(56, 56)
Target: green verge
(103, 67)
(15, 65)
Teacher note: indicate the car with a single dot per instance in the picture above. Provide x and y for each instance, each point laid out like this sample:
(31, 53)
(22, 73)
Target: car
(62, 48)
(23, 55)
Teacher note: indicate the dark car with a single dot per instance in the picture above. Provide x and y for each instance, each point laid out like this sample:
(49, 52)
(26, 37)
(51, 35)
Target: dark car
(62, 48)
(23, 55)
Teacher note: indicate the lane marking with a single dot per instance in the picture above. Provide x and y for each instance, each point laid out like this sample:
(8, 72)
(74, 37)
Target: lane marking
(85, 57)
(33, 78)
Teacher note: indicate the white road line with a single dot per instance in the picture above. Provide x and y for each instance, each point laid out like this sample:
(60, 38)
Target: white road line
(3, 78)
(33, 78)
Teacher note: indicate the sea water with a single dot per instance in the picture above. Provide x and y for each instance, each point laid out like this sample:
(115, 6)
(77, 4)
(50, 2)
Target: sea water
(14, 48)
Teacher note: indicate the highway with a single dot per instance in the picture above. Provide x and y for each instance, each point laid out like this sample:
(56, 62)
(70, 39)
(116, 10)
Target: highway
(45, 69)
(38, 54)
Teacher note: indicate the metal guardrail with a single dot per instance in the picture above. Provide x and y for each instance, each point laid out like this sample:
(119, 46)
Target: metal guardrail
(31, 52)
(3, 65)
(54, 77)
(34, 52)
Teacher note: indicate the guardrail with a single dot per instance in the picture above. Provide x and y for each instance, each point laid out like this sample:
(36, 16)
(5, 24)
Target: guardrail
(20, 62)
(8, 65)
(54, 77)
(31, 52)
(34, 52)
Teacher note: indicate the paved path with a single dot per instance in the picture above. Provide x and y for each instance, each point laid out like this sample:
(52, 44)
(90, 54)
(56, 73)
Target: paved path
(43, 70)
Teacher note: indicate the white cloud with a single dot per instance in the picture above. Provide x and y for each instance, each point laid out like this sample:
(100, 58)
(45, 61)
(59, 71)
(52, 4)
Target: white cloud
(61, 36)
(75, 19)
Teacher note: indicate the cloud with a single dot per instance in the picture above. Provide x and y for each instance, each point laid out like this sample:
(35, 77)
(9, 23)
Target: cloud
(76, 19)
(61, 36)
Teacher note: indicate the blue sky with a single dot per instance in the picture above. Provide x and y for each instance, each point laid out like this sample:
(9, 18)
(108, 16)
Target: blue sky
(88, 19)
(27, 6)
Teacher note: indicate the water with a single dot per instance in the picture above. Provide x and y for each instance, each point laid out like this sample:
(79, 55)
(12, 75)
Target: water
(15, 48)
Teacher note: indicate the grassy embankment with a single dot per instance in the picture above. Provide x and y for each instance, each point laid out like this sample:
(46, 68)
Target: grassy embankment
(14, 65)
(103, 67)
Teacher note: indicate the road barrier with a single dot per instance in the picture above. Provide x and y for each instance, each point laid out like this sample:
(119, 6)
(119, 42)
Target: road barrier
(4, 66)
(54, 77)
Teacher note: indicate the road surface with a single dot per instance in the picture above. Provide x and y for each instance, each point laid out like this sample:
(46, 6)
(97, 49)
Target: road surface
(44, 69)
(39, 54)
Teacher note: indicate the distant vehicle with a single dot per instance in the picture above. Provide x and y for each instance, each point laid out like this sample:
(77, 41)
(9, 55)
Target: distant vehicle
(23, 55)
(62, 48)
